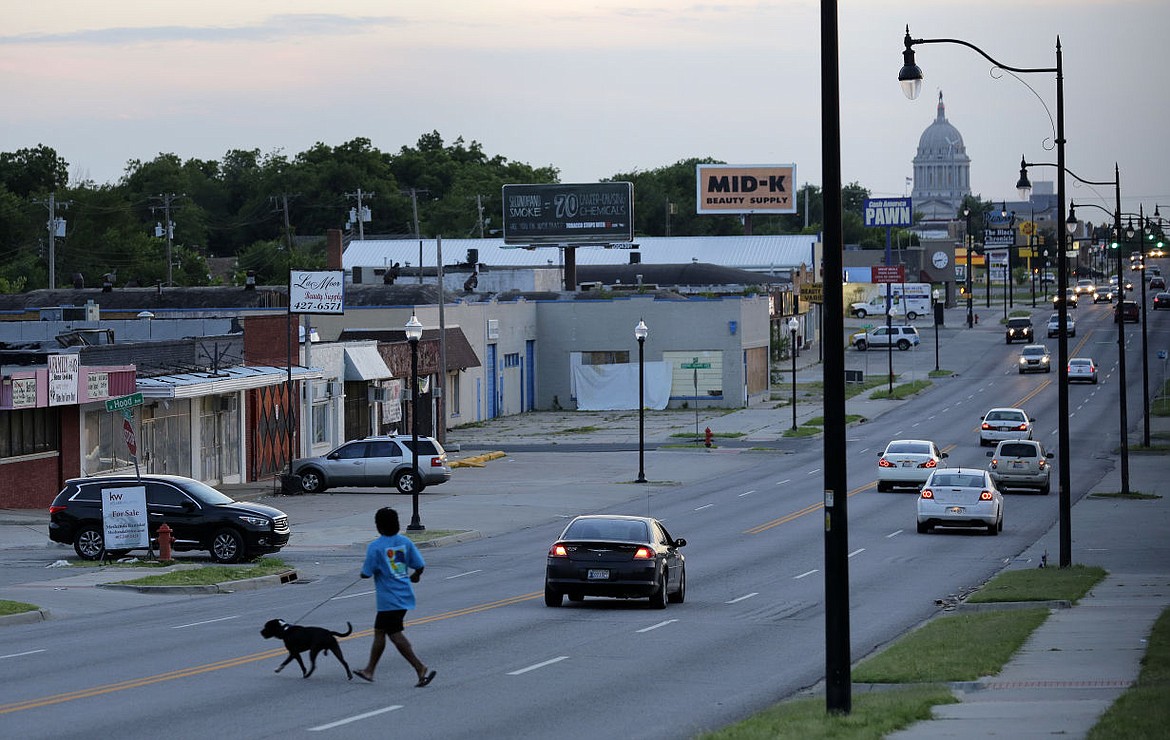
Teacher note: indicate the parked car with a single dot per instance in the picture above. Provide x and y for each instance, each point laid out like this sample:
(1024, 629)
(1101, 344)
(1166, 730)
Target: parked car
(1127, 311)
(1161, 300)
(1021, 463)
(907, 462)
(1070, 325)
(1035, 358)
(376, 462)
(199, 516)
(1082, 368)
(902, 337)
(625, 557)
(1018, 327)
(1004, 423)
(960, 497)
(1157, 282)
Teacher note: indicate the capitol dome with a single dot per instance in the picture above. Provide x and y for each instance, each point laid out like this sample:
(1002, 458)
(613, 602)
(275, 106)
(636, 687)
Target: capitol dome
(941, 169)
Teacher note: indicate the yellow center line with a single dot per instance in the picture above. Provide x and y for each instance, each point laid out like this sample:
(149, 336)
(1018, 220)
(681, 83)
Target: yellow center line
(135, 683)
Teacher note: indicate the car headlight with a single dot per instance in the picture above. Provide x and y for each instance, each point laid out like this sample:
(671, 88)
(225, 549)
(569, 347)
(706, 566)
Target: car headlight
(1023, 360)
(257, 521)
(1044, 360)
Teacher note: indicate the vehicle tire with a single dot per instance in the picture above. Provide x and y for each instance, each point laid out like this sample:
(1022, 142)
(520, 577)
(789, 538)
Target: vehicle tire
(1007, 340)
(88, 543)
(408, 481)
(912, 315)
(680, 596)
(883, 486)
(227, 546)
(312, 481)
(861, 345)
(1094, 381)
(1048, 369)
(993, 528)
(658, 598)
(923, 529)
(552, 597)
(903, 345)
(576, 597)
(860, 313)
(1046, 489)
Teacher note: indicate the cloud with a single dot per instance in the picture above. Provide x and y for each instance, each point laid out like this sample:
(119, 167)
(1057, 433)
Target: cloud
(273, 29)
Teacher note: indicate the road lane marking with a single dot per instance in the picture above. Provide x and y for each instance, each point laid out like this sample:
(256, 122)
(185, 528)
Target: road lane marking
(656, 626)
(468, 573)
(21, 655)
(746, 493)
(355, 718)
(857, 552)
(704, 506)
(814, 471)
(786, 480)
(806, 510)
(895, 533)
(738, 599)
(352, 596)
(538, 665)
(206, 621)
(807, 573)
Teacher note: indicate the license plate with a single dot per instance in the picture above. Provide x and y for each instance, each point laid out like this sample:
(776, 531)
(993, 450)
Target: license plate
(956, 509)
(1017, 464)
(598, 574)
(907, 464)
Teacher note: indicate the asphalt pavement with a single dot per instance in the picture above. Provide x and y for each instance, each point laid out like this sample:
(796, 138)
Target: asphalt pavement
(1069, 672)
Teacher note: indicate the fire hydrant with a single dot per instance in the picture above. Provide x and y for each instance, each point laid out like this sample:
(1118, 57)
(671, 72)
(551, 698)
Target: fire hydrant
(707, 435)
(164, 541)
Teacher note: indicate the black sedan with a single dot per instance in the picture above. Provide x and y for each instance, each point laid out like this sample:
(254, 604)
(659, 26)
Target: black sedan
(1161, 300)
(625, 557)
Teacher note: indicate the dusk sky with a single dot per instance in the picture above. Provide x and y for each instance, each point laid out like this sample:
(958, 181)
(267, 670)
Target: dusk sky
(593, 88)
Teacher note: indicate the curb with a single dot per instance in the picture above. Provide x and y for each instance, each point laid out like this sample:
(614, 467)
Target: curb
(33, 615)
(451, 539)
(477, 461)
(995, 606)
(227, 587)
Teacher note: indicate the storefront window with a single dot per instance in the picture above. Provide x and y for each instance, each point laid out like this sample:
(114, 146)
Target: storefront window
(28, 431)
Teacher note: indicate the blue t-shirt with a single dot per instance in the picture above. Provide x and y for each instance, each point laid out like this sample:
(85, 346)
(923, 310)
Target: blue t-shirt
(389, 561)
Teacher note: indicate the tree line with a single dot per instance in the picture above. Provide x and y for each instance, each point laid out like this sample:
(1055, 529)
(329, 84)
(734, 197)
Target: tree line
(268, 212)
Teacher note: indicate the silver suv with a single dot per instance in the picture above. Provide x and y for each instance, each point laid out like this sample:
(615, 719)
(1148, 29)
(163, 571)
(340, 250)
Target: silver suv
(376, 462)
(1021, 463)
(902, 337)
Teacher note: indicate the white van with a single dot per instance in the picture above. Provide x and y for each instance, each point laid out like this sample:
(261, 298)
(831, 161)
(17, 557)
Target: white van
(911, 299)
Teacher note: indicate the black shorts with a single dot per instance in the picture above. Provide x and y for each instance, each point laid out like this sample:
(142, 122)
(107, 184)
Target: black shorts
(390, 622)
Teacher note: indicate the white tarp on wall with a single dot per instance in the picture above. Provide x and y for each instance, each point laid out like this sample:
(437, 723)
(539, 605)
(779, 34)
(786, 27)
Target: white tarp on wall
(615, 387)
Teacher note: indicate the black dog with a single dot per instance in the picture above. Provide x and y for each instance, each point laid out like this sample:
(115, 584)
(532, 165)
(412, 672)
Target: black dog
(298, 639)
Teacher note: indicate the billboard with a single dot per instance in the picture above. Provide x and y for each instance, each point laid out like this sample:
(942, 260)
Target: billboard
(320, 291)
(734, 188)
(888, 212)
(591, 213)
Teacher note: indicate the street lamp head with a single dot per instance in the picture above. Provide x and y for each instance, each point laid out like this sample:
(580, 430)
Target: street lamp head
(793, 324)
(910, 75)
(1070, 223)
(1024, 185)
(641, 331)
(414, 330)
(1129, 232)
(1003, 212)
(936, 294)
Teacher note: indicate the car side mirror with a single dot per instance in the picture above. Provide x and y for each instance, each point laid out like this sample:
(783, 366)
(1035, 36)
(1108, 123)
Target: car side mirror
(991, 453)
(1049, 455)
(680, 542)
(331, 456)
(942, 456)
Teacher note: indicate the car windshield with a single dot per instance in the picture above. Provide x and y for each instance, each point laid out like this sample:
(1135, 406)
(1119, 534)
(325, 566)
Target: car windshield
(1084, 363)
(915, 448)
(1005, 416)
(1017, 449)
(607, 529)
(957, 480)
(205, 493)
(1030, 351)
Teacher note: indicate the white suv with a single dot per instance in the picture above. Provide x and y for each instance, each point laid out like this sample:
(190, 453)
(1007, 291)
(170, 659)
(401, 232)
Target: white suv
(902, 337)
(1021, 463)
(377, 462)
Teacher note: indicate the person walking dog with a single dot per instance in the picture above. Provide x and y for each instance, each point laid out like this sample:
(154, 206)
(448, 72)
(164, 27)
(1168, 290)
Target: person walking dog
(390, 560)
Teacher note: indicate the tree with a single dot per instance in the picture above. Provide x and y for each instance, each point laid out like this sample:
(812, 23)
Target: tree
(28, 172)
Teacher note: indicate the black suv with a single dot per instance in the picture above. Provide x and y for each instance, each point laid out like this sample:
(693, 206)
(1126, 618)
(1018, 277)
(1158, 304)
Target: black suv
(1019, 327)
(200, 518)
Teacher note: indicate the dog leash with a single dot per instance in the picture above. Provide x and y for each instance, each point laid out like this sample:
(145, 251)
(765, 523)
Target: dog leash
(331, 598)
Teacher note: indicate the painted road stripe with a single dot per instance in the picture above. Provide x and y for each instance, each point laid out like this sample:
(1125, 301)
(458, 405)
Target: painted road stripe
(807, 573)
(538, 665)
(656, 626)
(206, 621)
(468, 573)
(355, 718)
(21, 655)
(742, 598)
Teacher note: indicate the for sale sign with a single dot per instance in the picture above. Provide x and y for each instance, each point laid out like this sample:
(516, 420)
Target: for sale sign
(124, 518)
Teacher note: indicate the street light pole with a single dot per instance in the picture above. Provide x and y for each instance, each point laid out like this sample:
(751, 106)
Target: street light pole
(934, 310)
(910, 76)
(414, 331)
(1144, 223)
(793, 325)
(970, 243)
(641, 331)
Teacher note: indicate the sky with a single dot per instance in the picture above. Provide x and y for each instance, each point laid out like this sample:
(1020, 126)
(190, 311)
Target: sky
(594, 87)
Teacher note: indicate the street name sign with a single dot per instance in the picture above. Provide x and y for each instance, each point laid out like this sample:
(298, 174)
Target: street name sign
(124, 402)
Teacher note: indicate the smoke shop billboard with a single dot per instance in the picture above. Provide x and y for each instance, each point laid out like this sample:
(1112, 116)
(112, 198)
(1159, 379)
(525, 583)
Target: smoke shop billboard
(590, 213)
(735, 188)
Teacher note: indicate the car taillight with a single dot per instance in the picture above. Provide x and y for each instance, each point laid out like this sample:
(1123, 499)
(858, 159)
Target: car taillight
(986, 425)
(643, 553)
(1043, 464)
(884, 463)
(56, 509)
(558, 551)
(929, 464)
(436, 462)
(927, 493)
(1022, 428)
(985, 495)
(994, 463)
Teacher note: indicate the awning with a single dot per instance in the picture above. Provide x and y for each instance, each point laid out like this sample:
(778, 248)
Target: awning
(364, 363)
(227, 380)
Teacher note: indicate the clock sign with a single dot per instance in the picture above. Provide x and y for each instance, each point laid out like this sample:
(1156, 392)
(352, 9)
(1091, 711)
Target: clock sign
(940, 259)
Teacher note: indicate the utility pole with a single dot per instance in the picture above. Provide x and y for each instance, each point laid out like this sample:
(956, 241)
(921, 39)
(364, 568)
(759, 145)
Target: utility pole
(417, 235)
(56, 228)
(362, 213)
(283, 207)
(479, 210)
(167, 199)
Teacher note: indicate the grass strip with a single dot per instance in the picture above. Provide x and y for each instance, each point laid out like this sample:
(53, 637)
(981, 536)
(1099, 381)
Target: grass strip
(212, 574)
(15, 607)
(960, 647)
(1143, 710)
(903, 391)
(1039, 584)
(874, 715)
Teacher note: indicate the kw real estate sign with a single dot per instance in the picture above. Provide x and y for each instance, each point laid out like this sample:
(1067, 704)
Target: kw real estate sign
(124, 518)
